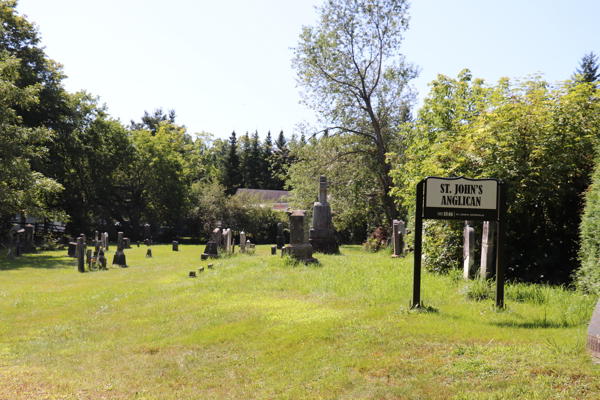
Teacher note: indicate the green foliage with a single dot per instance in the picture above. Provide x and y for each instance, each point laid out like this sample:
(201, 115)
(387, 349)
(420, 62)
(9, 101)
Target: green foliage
(354, 78)
(477, 290)
(588, 275)
(537, 138)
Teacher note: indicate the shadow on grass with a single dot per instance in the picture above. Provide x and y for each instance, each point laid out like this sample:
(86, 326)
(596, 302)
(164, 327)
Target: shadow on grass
(535, 324)
(37, 260)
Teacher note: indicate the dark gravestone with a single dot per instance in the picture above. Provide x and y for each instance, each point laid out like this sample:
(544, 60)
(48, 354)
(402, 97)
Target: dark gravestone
(71, 252)
(119, 257)
(101, 260)
(149, 253)
(280, 237)
(88, 259)
(80, 254)
(175, 245)
(211, 250)
(126, 243)
(593, 341)
(321, 235)
(120, 240)
(273, 250)
(398, 238)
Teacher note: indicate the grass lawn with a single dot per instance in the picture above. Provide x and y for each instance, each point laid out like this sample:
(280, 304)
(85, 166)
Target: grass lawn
(255, 327)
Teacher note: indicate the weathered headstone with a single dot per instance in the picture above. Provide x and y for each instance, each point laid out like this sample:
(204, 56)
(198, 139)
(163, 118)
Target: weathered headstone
(248, 247)
(119, 257)
(468, 250)
(72, 251)
(211, 251)
(98, 245)
(218, 235)
(273, 250)
(105, 241)
(88, 259)
(398, 238)
(149, 253)
(120, 241)
(280, 236)
(101, 260)
(299, 248)
(10, 245)
(321, 235)
(80, 254)
(175, 245)
(228, 238)
(126, 243)
(192, 274)
(488, 250)
(96, 236)
(242, 242)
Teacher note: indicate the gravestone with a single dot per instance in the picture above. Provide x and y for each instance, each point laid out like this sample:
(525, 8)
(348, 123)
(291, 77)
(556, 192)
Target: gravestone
(175, 245)
(299, 247)
(101, 260)
(488, 250)
(80, 254)
(273, 250)
(211, 251)
(71, 252)
(28, 245)
(96, 236)
(126, 243)
(120, 241)
(242, 242)
(228, 240)
(280, 236)
(88, 259)
(398, 238)
(218, 235)
(10, 245)
(593, 339)
(321, 235)
(98, 246)
(149, 253)
(468, 250)
(105, 241)
(119, 257)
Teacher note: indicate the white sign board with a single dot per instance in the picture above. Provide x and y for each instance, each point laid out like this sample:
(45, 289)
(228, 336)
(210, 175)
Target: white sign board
(461, 198)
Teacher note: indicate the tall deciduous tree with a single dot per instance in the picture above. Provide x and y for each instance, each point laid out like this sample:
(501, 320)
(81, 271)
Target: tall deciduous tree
(353, 76)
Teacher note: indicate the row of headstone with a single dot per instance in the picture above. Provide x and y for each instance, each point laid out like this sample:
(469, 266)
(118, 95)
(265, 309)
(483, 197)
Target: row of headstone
(488, 253)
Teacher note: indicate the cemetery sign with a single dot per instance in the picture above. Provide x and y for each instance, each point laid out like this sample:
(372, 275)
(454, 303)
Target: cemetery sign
(461, 198)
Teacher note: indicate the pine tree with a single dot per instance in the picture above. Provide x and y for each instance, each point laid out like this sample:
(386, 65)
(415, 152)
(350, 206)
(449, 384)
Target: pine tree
(265, 160)
(255, 163)
(232, 167)
(588, 68)
(280, 162)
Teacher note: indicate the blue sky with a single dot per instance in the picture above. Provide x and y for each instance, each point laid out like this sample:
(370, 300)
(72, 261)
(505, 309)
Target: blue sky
(225, 65)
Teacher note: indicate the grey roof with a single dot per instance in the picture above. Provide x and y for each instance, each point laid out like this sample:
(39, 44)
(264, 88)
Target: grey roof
(267, 195)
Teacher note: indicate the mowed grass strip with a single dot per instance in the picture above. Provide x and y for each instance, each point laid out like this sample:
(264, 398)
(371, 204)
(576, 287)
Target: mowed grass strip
(255, 326)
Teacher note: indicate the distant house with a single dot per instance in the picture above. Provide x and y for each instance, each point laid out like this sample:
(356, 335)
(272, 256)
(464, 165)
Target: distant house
(280, 197)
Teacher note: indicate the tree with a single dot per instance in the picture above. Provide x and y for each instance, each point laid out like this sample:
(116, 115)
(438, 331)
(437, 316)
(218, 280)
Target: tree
(266, 176)
(152, 121)
(232, 174)
(588, 68)
(354, 78)
(539, 139)
(21, 188)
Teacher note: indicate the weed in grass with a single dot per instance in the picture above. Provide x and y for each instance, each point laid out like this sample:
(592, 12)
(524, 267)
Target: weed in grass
(477, 289)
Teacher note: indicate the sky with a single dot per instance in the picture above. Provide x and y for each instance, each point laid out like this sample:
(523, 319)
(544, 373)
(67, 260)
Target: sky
(226, 65)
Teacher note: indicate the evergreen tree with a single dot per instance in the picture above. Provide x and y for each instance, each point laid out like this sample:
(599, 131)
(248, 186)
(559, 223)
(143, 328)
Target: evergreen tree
(255, 163)
(232, 167)
(279, 162)
(245, 161)
(588, 68)
(267, 153)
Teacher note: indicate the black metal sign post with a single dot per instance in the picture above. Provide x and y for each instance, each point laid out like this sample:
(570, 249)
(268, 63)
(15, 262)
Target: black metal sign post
(460, 199)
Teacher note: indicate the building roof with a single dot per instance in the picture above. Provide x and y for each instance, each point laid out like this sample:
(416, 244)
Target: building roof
(280, 196)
